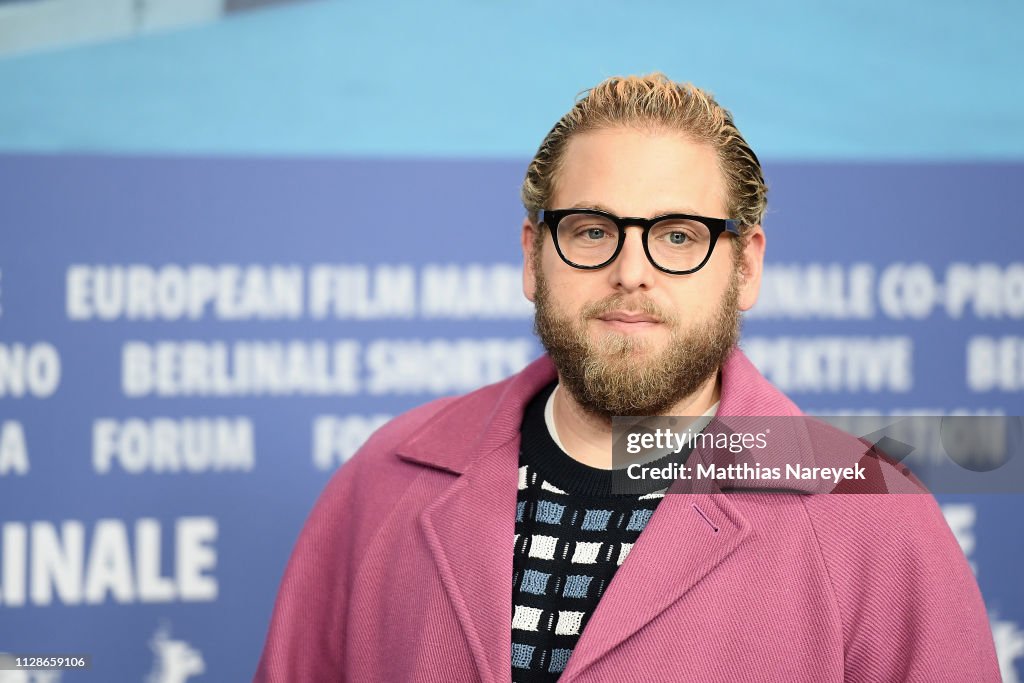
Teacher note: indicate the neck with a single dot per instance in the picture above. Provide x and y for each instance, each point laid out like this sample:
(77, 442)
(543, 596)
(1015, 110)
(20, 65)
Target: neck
(588, 437)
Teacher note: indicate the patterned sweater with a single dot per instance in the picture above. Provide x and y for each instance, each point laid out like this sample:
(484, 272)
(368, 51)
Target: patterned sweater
(572, 534)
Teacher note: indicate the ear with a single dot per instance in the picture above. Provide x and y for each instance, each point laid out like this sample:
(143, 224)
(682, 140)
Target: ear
(751, 266)
(529, 231)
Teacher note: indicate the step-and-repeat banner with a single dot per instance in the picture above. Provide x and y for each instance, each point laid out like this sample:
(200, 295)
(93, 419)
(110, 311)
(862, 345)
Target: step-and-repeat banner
(190, 347)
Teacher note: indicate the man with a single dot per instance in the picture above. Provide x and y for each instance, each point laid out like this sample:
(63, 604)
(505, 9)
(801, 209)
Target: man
(481, 538)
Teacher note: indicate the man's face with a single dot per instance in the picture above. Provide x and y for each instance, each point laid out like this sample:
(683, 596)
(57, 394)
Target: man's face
(628, 339)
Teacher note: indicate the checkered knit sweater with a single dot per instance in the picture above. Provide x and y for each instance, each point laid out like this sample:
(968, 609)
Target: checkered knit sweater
(572, 534)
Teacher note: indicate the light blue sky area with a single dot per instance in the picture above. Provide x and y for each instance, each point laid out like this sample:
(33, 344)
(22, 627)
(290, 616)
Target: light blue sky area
(481, 78)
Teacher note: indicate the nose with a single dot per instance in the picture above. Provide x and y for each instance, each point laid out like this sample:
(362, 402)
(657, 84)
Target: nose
(632, 270)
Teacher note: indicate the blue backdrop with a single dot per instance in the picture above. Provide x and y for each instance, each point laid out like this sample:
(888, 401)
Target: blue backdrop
(227, 254)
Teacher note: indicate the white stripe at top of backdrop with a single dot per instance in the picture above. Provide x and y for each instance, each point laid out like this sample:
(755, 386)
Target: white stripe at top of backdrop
(481, 78)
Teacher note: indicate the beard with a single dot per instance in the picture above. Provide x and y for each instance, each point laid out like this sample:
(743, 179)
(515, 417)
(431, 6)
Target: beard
(621, 374)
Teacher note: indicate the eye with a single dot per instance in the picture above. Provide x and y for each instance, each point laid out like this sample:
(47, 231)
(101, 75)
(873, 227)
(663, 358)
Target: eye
(679, 234)
(591, 233)
(676, 238)
(586, 230)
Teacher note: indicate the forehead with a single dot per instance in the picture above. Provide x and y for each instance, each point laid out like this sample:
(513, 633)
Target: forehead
(634, 172)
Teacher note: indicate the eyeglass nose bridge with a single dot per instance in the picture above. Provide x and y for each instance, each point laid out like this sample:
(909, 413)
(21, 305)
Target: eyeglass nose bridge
(645, 225)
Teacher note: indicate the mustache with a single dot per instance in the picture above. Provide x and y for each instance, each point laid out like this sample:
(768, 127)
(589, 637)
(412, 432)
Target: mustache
(620, 302)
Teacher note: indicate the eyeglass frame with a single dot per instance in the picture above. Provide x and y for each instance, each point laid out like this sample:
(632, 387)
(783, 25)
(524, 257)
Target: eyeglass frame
(716, 226)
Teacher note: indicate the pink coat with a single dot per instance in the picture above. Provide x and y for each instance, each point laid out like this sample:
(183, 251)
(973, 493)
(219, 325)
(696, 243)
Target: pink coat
(403, 571)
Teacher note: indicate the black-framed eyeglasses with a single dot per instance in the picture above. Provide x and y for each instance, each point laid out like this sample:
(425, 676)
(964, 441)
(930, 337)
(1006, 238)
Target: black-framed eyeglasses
(676, 243)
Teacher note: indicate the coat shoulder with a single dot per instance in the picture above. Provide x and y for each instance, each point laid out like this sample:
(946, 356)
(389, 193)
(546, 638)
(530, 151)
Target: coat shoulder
(890, 509)
(399, 429)
(375, 464)
(897, 572)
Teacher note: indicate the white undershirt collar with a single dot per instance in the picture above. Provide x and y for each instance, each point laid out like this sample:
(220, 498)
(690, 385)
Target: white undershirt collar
(549, 416)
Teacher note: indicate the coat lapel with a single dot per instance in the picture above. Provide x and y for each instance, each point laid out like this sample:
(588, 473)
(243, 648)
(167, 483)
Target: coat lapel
(470, 531)
(687, 537)
(689, 534)
(470, 528)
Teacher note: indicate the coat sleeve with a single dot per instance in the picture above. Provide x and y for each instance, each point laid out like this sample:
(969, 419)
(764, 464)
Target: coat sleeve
(306, 637)
(909, 604)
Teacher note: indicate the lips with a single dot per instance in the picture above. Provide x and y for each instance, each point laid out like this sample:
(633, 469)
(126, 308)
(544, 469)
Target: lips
(626, 317)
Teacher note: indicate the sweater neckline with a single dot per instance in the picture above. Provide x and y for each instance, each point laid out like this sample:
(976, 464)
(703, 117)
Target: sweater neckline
(540, 452)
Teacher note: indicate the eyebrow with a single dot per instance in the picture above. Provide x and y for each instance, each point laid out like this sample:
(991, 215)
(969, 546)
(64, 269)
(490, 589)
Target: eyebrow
(601, 207)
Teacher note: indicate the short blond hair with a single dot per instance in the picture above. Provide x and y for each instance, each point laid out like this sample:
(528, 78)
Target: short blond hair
(653, 102)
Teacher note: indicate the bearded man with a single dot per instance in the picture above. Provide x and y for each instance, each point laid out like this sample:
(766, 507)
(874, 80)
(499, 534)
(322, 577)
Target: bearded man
(481, 538)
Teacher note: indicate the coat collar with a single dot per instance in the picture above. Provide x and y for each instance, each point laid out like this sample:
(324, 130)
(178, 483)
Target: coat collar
(477, 422)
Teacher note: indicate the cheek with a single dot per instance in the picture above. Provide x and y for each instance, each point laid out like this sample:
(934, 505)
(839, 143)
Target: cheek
(557, 274)
(689, 308)
(567, 292)
(565, 297)
(713, 281)
(552, 262)
(698, 302)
